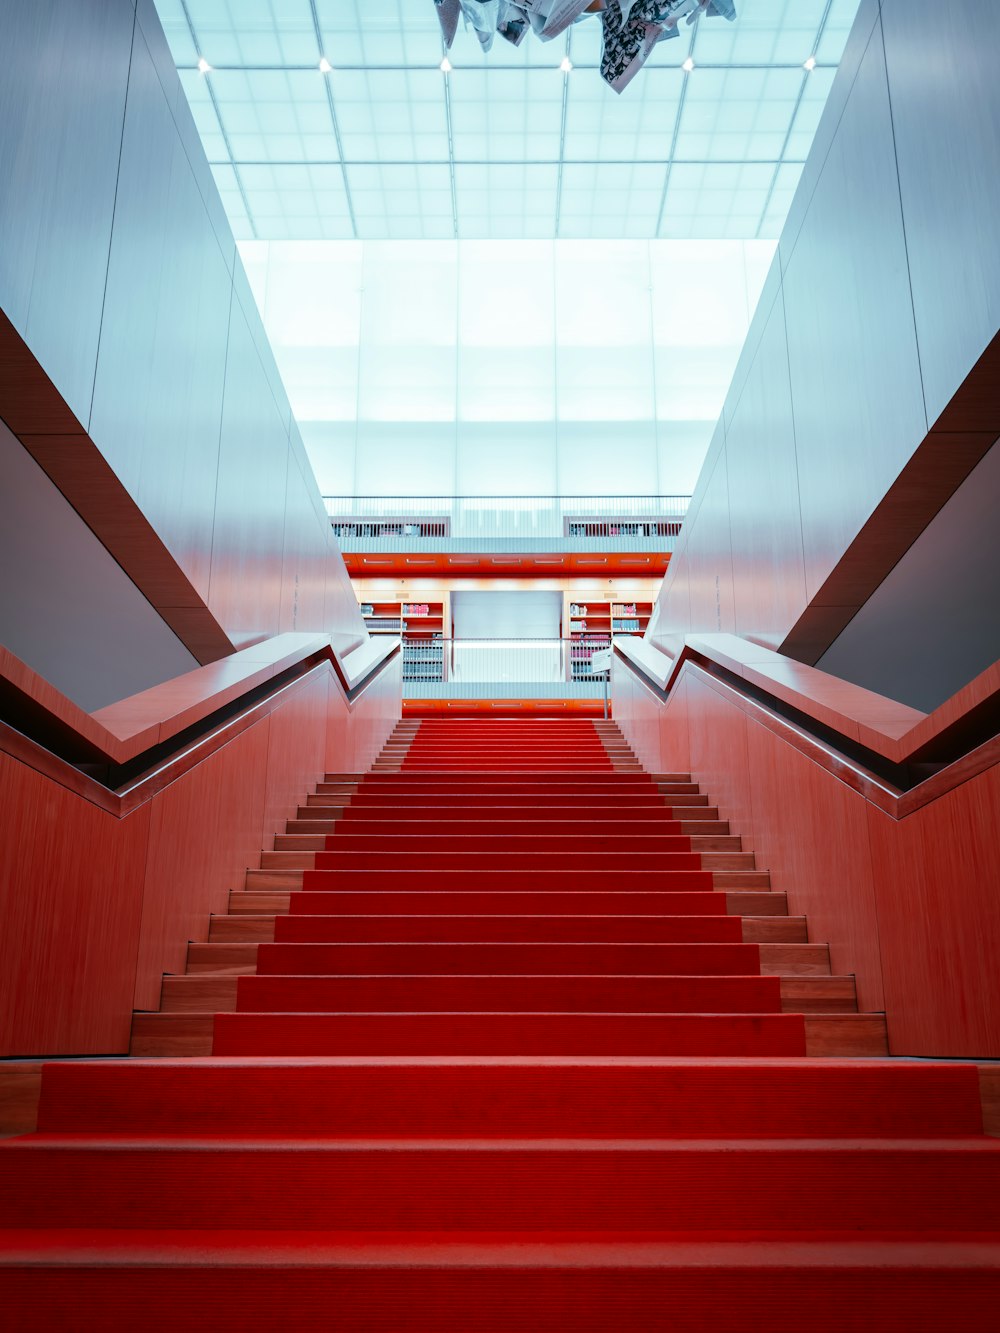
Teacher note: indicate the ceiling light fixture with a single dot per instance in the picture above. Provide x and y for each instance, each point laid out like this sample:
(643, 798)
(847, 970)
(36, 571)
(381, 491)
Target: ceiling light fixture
(688, 65)
(203, 66)
(445, 66)
(809, 64)
(324, 66)
(566, 65)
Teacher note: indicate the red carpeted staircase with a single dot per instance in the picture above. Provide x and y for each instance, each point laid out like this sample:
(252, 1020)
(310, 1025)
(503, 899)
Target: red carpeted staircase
(506, 1034)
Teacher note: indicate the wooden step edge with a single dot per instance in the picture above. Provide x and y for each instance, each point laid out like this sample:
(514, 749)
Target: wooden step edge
(198, 994)
(244, 903)
(259, 929)
(702, 843)
(757, 903)
(217, 994)
(690, 828)
(288, 881)
(282, 859)
(168, 1036)
(190, 1034)
(234, 958)
(750, 904)
(818, 995)
(989, 1093)
(775, 930)
(846, 1035)
(20, 1088)
(244, 928)
(20, 1080)
(794, 960)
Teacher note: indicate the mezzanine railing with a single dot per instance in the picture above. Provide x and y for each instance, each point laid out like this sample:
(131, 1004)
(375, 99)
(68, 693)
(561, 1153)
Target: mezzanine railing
(621, 522)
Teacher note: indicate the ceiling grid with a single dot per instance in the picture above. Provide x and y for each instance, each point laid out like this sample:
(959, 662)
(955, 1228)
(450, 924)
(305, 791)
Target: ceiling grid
(510, 145)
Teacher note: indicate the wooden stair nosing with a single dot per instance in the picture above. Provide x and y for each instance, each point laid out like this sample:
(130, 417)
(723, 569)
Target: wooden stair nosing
(299, 860)
(201, 992)
(175, 1035)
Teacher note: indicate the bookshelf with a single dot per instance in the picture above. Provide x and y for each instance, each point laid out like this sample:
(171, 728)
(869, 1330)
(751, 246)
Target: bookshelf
(421, 625)
(590, 622)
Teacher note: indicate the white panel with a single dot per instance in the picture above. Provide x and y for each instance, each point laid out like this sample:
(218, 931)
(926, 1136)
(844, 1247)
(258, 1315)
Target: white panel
(607, 459)
(405, 458)
(506, 615)
(331, 447)
(681, 447)
(410, 338)
(501, 460)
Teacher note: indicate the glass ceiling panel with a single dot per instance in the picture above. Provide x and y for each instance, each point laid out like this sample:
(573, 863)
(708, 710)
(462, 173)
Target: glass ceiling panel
(563, 154)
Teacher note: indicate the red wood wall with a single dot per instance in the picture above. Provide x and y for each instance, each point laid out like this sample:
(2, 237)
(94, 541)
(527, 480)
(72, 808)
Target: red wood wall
(94, 908)
(911, 906)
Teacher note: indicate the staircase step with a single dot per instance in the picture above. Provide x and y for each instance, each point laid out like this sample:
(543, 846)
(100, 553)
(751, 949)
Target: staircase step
(415, 828)
(246, 929)
(350, 837)
(520, 1096)
(493, 1033)
(499, 1284)
(510, 903)
(259, 928)
(826, 1036)
(381, 855)
(439, 927)
(505, 959)
(198, 994)
(665, 880)
(482, 1185)
(234, 958)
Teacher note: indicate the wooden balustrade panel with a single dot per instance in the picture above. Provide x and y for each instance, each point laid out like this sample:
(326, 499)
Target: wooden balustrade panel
(72, 884)
(908, 903)
(204, 831)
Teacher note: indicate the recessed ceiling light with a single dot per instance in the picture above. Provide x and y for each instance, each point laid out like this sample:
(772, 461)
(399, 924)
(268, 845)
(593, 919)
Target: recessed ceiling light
(324, 66)
(445, 66)
(203, 66)
(506, 560)
(566, 65)
(643, 561)
(688, 65)
(809, 64)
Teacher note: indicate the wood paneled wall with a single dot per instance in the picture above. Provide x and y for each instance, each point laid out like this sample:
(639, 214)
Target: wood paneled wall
(133, 363)
(95, 908)
(908, 905)
(867, 389)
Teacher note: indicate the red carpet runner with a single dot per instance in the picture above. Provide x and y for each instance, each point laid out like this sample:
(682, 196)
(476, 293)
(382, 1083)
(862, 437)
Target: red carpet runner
(506, 1035)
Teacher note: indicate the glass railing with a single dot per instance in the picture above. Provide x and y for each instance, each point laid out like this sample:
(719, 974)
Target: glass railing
(448, 668)
(405, 522)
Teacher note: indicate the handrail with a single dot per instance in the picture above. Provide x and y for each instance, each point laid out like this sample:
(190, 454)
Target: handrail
(897, 755)
(121, 732)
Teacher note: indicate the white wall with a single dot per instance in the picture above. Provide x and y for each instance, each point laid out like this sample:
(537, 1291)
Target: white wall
(541, 367)
(67, 608)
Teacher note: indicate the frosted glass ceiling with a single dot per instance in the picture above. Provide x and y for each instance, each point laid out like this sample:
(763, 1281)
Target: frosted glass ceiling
(426, 367)
(386, 146)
